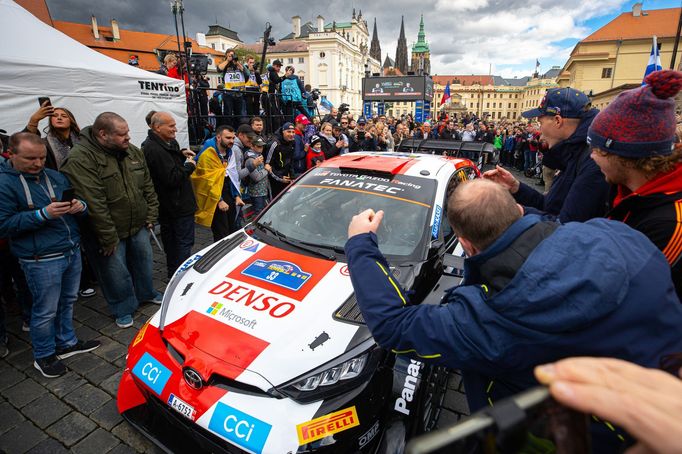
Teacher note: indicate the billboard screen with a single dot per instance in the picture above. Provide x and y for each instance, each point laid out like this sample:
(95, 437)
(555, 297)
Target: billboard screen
(397, 88)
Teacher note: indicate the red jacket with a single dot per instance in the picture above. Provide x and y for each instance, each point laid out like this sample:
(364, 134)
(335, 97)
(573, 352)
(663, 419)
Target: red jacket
(312, 157)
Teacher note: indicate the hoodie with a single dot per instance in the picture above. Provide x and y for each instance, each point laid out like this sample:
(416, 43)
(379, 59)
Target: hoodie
(579, 191)
(30, 231)
(655, 209)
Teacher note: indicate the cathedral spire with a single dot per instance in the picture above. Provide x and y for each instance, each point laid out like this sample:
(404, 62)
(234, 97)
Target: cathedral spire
(401, 50)
(375, 49)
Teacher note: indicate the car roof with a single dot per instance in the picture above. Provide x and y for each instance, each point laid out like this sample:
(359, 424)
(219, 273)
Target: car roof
(414, 164)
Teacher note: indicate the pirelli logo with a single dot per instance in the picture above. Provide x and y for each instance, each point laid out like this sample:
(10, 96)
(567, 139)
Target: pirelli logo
(327, 425)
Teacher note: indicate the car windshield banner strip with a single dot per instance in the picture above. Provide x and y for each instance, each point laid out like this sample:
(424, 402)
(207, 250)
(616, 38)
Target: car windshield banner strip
(405, 188)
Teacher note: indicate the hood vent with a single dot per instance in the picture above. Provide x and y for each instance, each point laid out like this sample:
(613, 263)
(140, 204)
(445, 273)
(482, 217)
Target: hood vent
(350, 312)
(217, 252)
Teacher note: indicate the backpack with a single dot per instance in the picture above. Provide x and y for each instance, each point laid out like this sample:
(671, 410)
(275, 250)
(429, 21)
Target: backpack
(291, 92)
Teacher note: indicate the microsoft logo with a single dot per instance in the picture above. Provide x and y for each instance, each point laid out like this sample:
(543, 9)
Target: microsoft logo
(214, 308)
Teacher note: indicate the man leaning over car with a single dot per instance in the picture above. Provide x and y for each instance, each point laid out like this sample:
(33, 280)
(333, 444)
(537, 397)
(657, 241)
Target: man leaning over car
(524, 301)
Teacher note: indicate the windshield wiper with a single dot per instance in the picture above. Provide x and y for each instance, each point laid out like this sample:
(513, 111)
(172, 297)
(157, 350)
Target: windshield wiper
(296, 243)
(338, 249)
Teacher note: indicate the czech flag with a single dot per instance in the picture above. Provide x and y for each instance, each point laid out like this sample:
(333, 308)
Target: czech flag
(446, 94)
(654, 61)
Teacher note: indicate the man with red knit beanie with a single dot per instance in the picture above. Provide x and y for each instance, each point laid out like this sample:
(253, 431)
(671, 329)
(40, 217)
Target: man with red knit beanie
(632, 142)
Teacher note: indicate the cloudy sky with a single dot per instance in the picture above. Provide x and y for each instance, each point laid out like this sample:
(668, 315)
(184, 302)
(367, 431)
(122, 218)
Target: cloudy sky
(465, 36)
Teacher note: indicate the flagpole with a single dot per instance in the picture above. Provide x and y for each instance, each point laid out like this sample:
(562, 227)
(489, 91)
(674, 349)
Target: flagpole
(677, 41)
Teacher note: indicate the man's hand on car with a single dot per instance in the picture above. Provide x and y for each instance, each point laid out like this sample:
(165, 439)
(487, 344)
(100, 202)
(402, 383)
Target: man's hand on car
(365, 222)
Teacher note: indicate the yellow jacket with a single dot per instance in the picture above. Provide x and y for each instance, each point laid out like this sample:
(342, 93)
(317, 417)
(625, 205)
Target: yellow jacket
(207, 181)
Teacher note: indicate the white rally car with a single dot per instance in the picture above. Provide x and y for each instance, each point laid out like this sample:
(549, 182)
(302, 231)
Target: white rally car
(259, 345)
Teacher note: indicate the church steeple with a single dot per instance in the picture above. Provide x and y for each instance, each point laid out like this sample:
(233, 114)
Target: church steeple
(421, 55)
(421, 46)
(401, 50)
(375, 49)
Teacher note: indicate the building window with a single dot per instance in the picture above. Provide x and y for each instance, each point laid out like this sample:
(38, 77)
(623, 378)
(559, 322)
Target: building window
(487, 105)
(301, 60)
(606, 73)
(223, 46)
(213, 46)
(514, 105)
(494, 96)
(290, 61)
(494, 105)
(322, 54)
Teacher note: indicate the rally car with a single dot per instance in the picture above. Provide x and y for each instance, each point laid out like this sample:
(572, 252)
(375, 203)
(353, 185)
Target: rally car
(259, 345)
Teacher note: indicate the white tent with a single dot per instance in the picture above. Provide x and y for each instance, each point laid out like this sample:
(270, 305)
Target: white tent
(38, 60)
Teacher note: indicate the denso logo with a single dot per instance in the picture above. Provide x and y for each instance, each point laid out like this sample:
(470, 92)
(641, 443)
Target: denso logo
(241, 429)
(408, 388)
(152, 373)
(255, 299)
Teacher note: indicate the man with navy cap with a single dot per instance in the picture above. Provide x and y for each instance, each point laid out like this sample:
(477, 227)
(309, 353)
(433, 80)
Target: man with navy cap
(579, 191)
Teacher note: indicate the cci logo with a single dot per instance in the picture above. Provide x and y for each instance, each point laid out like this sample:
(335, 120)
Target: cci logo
(214, 308)
(239, 428)
(152, 373)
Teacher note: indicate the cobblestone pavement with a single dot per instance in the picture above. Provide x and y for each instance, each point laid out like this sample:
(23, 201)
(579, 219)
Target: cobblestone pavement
(77, 412)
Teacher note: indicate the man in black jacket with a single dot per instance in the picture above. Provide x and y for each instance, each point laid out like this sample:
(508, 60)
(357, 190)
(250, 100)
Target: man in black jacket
(279, 156)
(579, 192)
(170, 169)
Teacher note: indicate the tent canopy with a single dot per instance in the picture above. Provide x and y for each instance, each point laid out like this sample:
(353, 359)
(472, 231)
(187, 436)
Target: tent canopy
(38, 60)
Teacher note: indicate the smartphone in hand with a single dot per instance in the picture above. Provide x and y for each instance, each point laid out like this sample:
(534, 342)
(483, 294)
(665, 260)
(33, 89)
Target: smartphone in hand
(43, 99)
(68, 195)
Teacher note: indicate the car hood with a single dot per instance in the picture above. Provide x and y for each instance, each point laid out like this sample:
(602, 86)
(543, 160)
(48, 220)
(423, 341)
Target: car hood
(265, 314)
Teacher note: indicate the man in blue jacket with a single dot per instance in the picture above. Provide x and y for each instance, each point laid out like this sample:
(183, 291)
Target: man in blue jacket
(579, 191)
(44, 237)
(534, 291)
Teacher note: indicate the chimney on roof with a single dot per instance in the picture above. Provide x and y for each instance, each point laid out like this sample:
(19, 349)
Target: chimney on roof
(296, 22)
(320, 24)
(637, 9)
(114, 30)
(95, 30)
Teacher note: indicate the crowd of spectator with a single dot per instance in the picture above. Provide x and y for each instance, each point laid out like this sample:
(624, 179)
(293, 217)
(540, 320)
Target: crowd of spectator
(80, 205)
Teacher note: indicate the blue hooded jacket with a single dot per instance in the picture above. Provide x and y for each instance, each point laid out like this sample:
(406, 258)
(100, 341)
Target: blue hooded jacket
(576, 291)
(30, 234)
(579, 192)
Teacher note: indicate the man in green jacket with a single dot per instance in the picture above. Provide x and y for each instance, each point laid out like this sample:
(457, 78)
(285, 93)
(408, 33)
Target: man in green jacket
(111, 175)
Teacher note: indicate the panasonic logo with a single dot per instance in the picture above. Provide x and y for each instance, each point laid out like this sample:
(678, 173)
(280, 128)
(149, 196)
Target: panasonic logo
(408, 388)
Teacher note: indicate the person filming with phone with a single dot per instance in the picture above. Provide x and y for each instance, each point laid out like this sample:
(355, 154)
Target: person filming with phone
(38, 212)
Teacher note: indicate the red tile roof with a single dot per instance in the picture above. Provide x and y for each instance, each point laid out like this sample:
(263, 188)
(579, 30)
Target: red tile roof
(659, 22)
(290, 45)
(38, 8)
(142, 44)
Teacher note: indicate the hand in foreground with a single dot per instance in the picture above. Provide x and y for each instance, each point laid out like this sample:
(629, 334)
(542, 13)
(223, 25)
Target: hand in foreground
(76, 207)
(503, 177)
(645, 402)
(108, 251)
(57, 209)
(365, 222)
(223, 206)
(239, 201)
(188, 153)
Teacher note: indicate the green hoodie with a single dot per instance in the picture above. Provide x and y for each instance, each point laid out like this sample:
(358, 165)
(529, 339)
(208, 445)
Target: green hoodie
(117, 187)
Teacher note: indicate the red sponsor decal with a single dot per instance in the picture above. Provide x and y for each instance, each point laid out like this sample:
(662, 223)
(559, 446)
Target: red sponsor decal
(344, 270)
(317, 267)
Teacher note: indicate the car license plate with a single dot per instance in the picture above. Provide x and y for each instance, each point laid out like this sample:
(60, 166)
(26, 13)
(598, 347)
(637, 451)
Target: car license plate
(181, 407)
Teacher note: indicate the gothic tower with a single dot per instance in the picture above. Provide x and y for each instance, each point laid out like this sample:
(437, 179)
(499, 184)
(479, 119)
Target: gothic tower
(420, 52)
(375, 49)
(401, 51)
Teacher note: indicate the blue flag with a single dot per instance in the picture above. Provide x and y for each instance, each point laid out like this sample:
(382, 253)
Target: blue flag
(654, 61)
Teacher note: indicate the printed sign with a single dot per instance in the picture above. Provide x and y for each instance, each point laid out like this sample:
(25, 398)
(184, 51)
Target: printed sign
(402, 88)
(326, 425)
(152, 373)
(278, 272)
(436, 221)
(239, 428)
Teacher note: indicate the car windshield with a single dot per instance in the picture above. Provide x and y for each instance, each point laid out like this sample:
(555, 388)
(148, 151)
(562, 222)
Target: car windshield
(319, 207)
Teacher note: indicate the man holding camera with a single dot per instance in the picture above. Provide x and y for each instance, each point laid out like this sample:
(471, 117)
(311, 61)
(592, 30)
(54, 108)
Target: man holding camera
(37, 214)
(252, 89)
(235, 76)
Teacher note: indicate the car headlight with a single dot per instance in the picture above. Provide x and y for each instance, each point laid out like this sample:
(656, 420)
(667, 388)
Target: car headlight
(347, 372)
